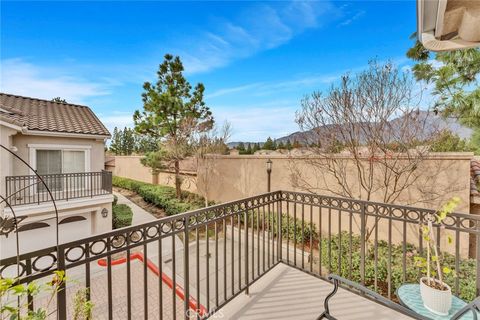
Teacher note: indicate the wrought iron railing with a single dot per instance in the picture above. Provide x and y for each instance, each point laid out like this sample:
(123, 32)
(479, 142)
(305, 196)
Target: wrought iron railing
(28, 189)
(189, 265)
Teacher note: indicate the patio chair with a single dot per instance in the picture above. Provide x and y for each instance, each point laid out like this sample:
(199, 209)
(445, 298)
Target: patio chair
(337, 280)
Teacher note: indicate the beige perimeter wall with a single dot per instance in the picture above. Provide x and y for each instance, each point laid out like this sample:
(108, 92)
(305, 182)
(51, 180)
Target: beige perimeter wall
(441, 176)
(131, 167)
(226, 178)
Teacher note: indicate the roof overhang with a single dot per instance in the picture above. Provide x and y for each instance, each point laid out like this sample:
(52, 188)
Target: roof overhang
(445, 25)
(66, 134)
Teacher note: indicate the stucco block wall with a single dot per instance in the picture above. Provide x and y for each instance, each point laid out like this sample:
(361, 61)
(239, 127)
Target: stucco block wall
(97, 151)
(441, 176)
(131, 167)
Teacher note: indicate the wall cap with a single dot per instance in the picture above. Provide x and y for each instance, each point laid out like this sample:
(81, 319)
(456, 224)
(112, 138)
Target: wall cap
(430, 156)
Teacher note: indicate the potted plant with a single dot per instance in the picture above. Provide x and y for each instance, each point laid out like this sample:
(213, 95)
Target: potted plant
(435, 293)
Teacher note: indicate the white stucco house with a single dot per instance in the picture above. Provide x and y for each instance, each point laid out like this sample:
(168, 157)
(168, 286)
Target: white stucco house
(65, 144)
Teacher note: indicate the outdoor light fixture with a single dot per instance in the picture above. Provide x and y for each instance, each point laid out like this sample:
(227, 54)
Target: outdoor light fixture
(104, 212)
(445, 25)
(269, 173)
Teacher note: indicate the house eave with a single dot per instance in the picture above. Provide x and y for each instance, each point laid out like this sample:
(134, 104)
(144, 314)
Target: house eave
(66, 134)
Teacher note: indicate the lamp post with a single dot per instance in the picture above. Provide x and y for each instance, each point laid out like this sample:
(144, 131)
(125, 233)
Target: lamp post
(269, 173)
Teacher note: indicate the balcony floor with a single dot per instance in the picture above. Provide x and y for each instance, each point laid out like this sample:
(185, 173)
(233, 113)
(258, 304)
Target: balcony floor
(288, 293)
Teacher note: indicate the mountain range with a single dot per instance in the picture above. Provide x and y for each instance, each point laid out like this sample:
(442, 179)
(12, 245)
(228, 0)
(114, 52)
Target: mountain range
(432, 122)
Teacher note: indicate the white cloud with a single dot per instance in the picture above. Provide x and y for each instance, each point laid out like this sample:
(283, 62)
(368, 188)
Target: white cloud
(228, 91)
(306, 82)
(352, 18)
(23, 78)
(261, 27)
(117, 119)
(256, 123)
(267, 88)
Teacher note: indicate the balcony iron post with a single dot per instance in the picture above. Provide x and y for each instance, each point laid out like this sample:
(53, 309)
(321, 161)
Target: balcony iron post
(477, 256)
(61, 293)
(362, 243)
(186, 253)
(279, 232)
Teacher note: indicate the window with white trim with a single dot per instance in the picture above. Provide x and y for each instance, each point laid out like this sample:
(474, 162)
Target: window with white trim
(57, 161)
(60, 161)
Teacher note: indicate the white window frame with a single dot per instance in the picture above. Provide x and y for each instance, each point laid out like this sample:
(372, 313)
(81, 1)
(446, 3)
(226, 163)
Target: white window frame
(34, 147)
(33, 155)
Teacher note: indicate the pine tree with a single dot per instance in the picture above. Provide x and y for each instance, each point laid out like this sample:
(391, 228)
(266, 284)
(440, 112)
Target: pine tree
(241, 148)
(116, 144)
(249, 149)
(281, 145)
(174, 112)
(288, 145)
(128, 145)
(269, 145)
(455, 80)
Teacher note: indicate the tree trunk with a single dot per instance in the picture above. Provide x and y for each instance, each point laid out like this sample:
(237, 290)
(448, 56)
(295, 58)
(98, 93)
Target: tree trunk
(178, 183)
(155, 177)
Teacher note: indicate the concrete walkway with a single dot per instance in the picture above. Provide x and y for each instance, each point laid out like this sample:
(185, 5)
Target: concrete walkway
(139, 214)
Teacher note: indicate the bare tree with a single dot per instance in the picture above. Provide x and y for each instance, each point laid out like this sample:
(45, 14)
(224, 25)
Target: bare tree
(367, 135)
(209, 146)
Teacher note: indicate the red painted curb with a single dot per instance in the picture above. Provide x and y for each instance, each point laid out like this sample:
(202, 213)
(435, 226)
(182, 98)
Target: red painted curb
(165, 278)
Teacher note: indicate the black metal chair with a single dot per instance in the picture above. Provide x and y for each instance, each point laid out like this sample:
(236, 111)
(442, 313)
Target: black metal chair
(473, 306)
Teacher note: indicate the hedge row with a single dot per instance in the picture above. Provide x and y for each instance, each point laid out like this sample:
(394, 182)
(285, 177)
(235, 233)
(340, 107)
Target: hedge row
(336, 251)
(291, 228)
(340, 247)
(122, 215)
(163, 197)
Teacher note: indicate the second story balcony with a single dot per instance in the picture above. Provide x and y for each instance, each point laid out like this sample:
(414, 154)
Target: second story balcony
(280, 249)
(29, 189)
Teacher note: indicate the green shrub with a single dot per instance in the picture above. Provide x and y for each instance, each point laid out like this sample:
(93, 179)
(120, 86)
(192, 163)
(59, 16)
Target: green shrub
(163, 197)
(121, 216)
(466, 274)
(290, 227)
(115, 200)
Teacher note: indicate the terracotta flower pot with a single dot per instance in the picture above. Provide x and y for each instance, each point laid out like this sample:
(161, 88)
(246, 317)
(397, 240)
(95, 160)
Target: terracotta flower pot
(435, 300)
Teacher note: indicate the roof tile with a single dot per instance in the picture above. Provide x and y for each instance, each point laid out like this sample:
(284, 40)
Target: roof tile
(45, 115)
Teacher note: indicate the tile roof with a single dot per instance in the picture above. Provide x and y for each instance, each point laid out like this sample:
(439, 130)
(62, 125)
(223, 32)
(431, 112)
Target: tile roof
(46, 115)
(475, 177)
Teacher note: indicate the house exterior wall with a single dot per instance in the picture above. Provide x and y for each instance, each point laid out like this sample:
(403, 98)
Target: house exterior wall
(6, 159)
(21, 141)
(90, 207)
(36, 239)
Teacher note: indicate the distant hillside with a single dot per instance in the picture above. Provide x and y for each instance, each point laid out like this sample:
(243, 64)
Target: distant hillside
(433, 122)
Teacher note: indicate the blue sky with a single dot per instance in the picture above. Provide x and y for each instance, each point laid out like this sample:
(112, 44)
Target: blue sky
(256, 59)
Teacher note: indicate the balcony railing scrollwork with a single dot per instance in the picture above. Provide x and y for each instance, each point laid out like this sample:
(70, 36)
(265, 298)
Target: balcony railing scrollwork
(213, 254)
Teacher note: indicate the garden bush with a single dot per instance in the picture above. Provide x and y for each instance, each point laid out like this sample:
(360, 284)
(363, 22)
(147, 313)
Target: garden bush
(121, 216)
(290, 227)
(163, 197)
(466, 274)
